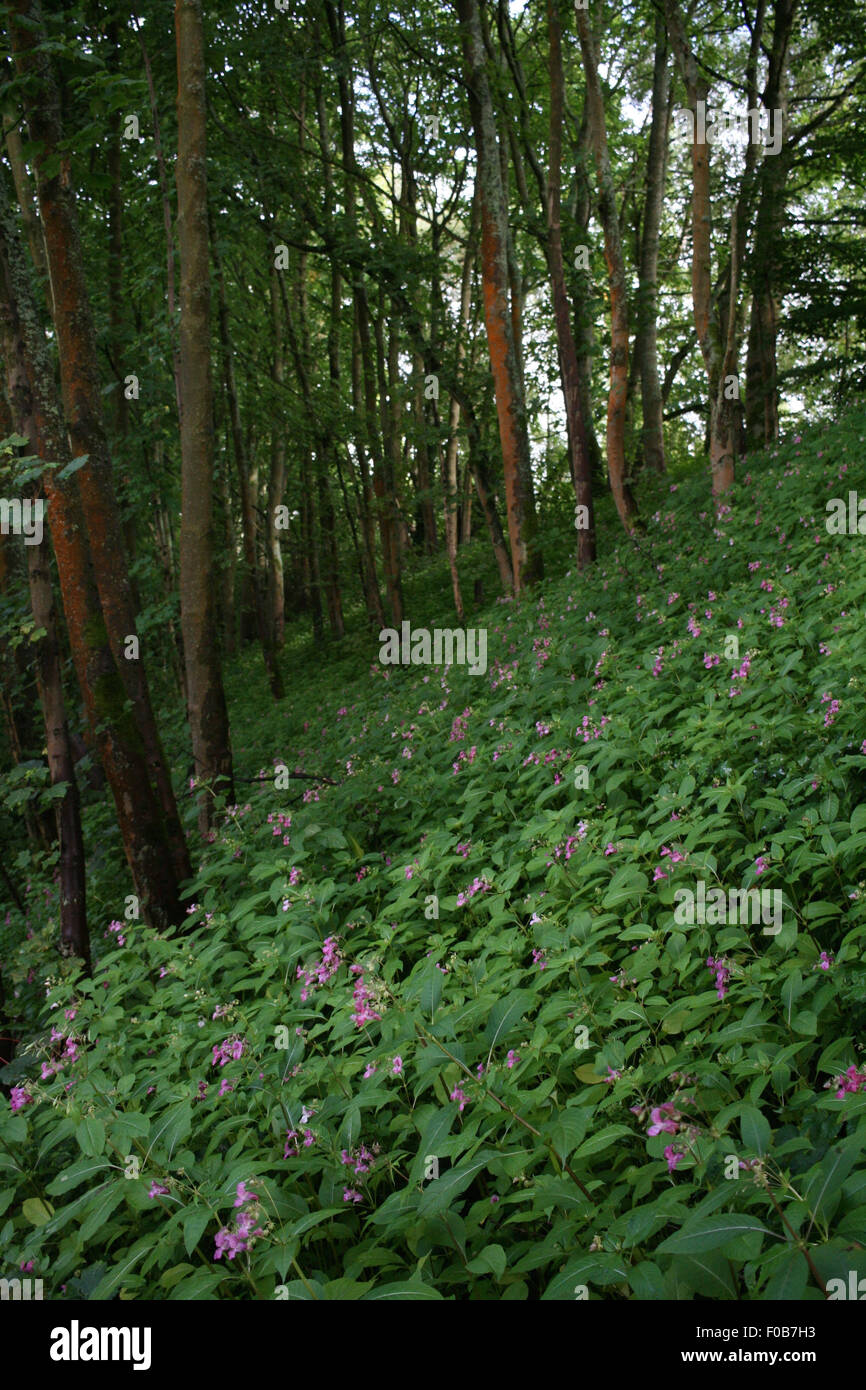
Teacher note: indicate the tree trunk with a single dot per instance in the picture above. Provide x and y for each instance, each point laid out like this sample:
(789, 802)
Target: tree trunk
(208, 716)
(584, 327)
(113, 728)
(762, 372)
(613, 254)
(74, 936)
(526, 558)
(276, 608)
(722, 445)
(578, 451)
(646, 343)
(375, 609)
(80, 382)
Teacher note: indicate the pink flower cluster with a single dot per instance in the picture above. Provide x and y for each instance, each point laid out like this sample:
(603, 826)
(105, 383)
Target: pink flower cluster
(361, 996)
(570, 844)
(667, 1119)
(850, 1081)
(293, 1148)
(478, 885)
(464, 757)
(282, 823)
(322, 971)
(776, 618)
(233, 1242)
(18, 1098)
(830, 714)
(57, 1063)
(118, 929)
(740, 675)
(229, 1050)
(360, 1160)
(722, 973)
(589, 730)
(458, 727)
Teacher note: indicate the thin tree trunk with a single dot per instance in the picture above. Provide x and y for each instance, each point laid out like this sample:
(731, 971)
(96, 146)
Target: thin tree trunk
(584, 327)
(526, 558)
(165, 199)
(762, 371)
(578, 451)
(208, 716)
(375, 609)
(722, 445)
(613, 254)
(74, 936)
(646, 341)
(276, 616)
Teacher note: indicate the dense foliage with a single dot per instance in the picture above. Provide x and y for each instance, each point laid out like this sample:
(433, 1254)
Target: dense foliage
(436, 1031)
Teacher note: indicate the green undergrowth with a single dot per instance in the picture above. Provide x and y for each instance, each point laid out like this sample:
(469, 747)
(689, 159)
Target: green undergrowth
(443, 1029)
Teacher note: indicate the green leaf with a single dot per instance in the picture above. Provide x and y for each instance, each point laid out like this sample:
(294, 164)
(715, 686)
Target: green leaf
(439, 1194)
(90, 1134)
(567, 1130)
(505, 1014)
(37, 1212)
(603, 1140)
(821, 1188)
(314, 1218)
(708, 1274)
(709, 1234)
(789, 1280)
(194, 1223)
(435, 1131)
(413, 1290)
(755, 1130)
(492, 1260)
(173, 1126)
(73, 467)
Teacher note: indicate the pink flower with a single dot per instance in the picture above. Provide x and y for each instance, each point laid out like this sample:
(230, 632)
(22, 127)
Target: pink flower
(663, 1121)
(18, 1098)
(512, 1058)
(850, 1081)
(672, 1157)
(458, 1095)
(722, 973)
(760, 864)
(397, 1066)
(157, 1190)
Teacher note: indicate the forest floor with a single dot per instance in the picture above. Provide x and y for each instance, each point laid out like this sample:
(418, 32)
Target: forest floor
(491, 1018)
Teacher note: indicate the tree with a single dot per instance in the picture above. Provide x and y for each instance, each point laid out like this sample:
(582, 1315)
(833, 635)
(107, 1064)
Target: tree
(208, 716)
(526, 557)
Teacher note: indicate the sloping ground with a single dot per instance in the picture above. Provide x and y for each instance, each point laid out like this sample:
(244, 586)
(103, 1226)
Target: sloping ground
(491, 1018)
